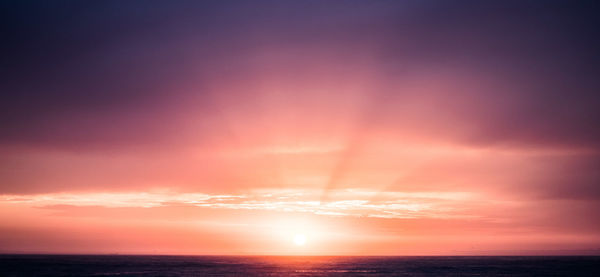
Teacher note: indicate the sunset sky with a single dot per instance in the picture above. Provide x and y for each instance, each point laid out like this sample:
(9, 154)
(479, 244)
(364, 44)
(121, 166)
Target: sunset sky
(365, 127)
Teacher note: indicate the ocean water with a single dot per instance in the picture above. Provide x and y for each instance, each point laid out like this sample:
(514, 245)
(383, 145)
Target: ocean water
(122, 265)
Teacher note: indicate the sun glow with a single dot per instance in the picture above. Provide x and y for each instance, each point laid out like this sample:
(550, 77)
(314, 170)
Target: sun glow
(299, 239)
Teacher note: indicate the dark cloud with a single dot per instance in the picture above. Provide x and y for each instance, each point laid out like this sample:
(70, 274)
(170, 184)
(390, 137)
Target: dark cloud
(108, 59)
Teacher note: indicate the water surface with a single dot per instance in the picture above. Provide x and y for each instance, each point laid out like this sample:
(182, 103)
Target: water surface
(122, 265)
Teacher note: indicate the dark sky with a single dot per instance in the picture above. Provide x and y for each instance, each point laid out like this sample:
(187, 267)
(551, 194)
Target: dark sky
(73, 63)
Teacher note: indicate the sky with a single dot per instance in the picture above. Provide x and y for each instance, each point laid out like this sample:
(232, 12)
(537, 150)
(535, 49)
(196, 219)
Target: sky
(363, 127)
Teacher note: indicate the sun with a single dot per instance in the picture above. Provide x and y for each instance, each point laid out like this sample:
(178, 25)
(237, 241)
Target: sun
(299, 239)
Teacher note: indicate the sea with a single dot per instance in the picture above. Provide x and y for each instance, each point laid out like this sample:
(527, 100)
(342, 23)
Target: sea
(124, 265)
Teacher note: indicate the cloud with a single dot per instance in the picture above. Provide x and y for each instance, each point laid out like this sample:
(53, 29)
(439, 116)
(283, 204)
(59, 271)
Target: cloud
(112, 77)
(357, 203)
